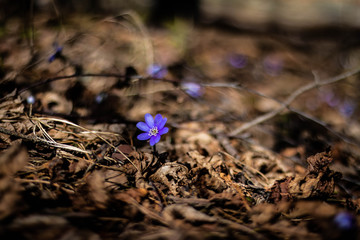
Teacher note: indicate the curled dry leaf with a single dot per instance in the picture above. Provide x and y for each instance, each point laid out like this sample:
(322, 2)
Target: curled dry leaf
(318, 182)
(280, 190)
(319, 163)
(173, 176)
(206, 179)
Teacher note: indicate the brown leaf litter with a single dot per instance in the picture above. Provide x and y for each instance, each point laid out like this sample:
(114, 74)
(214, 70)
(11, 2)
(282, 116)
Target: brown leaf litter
(318, 182)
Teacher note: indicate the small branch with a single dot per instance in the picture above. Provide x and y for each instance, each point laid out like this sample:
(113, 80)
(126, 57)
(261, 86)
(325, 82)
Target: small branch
(290, 99)
(323, 124)
(22, 136)
(37, 140)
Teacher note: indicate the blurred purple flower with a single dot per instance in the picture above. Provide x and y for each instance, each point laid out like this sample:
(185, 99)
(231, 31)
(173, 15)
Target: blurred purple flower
(100, 97)
(153, 128)
(332, 100)
(345, 221)
(237, 60)
(157, 71)
(56, 54)
(329, 97)
(272, 65)
(347, 108)
(193, 89)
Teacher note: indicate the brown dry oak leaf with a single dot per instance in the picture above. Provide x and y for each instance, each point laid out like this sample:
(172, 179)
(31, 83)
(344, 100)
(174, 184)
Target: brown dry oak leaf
(318, 182)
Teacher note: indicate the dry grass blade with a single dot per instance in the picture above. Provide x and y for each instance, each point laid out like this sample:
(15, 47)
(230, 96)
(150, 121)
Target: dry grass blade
(43, 121)
(134, 19)
(50, 141)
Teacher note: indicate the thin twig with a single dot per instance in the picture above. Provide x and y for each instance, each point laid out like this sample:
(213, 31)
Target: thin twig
(298, 112)
(22, 136)
(290, 99)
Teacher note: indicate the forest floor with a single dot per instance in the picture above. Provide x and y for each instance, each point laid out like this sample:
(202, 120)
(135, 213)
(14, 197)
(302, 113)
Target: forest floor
(263, 138)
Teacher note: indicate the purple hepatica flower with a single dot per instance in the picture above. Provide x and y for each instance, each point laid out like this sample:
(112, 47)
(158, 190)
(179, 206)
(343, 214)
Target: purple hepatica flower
(345, 221)
(193, 89)
(347, 108)
(153, 128)
(56, 54)
(237, 60)
(100, 97)
(157, 71)
(272, 65)
(329, 97)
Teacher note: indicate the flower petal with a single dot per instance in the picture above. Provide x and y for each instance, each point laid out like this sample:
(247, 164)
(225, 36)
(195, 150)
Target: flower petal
(149, 120)
(154, 140)
(158, 119)
(163, 131)
(162, 123)
(143, 126)
(143, 136)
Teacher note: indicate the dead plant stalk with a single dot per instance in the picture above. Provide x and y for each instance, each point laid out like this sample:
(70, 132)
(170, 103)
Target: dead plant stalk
(291, 98)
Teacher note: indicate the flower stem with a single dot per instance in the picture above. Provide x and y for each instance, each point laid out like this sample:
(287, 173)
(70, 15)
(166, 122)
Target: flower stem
(155, 153)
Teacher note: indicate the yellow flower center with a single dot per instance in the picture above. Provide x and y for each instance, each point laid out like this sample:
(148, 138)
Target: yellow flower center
(153, 132)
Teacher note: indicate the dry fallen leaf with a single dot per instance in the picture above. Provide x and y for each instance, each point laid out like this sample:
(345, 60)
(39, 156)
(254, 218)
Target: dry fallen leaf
(11, 161)
(12, 107)
(319, 181)
(173, 176)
